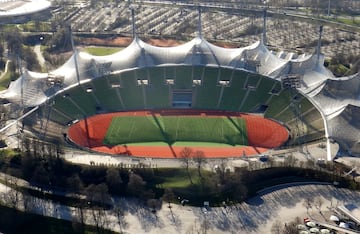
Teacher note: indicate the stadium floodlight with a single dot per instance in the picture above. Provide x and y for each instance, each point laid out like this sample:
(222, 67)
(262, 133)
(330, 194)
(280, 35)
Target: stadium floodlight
(170, 81)
(196, 82)
(142, 82)
(224, 83)
(74, 121)
(115, 86)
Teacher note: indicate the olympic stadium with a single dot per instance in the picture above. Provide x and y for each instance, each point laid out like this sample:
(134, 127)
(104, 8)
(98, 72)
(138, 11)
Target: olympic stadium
(289, 98)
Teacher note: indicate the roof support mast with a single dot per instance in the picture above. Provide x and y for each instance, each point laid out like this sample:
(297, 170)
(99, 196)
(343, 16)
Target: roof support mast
(78, 80)
(199, 22)
(75, 55)
(133, 22)
(264, 28)
(318, 49)
(318, 52)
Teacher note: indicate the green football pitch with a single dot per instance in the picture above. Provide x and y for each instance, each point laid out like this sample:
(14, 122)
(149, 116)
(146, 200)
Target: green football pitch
(173, 129)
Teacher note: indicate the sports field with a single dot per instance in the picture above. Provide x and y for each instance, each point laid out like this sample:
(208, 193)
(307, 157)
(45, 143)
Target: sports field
(166, 133)
(171, 129)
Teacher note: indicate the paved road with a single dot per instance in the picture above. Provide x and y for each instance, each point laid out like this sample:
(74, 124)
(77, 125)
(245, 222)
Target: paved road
(39, 55)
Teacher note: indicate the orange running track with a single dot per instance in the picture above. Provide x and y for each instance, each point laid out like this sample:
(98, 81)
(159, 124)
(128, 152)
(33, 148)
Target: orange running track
(263, 134)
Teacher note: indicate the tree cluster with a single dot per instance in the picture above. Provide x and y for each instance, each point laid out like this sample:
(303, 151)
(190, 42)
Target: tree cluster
(119, 22)
(17, 48)
(285, 228)
(39, 163)
(344, 65)
(60, 41)
(223, 184)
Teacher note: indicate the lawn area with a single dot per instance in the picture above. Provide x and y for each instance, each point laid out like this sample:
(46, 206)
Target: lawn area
(32, 26)
(200, 144)
(155, 143)
(5, 80)
(348, 21)
(101, 51)
(175, 179)
(130, 129)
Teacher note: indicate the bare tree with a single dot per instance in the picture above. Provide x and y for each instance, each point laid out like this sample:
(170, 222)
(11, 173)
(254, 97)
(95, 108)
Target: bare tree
(136, 185)
(78, 218)
(318, 202)
(168, 196)
(222, 171)
(308, 203)
(40, 175)
(120, 215)
(114, 181)
(186, 156)
(154, 204)
(290, 228)
(199, 157)
(310, 163)
(14, 41)
(28, 201)
(99, 217)
(2, 50)
(271, 161)
(290, 161)
(4, 112)
(240, 191)
(12, 196)
(74, 183)
(98, 193)
(276, 228)
(204, 225)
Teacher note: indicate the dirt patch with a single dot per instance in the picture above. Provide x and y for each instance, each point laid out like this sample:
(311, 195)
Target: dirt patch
(163, 42)
(118, 41)
(125, 41)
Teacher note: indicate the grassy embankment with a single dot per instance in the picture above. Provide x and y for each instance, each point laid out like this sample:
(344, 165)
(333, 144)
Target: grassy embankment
(102, 51)
(5, 79)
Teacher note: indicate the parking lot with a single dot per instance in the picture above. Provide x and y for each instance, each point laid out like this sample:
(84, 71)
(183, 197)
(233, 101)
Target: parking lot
(181, 22)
